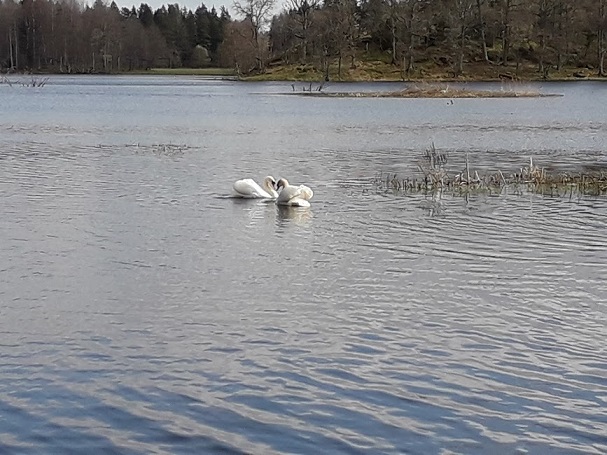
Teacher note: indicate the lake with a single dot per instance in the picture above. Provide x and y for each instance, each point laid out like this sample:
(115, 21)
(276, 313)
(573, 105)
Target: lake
(144, 311)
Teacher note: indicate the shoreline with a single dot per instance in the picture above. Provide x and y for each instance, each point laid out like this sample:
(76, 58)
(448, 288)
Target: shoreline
(307, 74)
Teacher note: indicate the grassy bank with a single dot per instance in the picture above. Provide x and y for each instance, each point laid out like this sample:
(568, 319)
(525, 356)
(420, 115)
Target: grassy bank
(377, 68)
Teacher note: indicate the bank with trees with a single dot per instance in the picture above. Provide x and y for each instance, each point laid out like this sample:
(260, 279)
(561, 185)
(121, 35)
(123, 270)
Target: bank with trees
(330, 39)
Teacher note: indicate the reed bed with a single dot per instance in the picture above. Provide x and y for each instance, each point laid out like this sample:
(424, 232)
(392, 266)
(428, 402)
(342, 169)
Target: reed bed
(34, 81)
(435, 177)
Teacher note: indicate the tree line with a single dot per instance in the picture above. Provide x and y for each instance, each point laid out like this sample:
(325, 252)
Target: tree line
(67, 36)
(549, 34)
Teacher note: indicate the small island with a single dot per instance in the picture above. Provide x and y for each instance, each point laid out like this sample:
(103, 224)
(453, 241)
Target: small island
(426, 91)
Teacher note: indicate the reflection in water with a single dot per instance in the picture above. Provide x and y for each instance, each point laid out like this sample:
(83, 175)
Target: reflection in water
(300, 215)
(142, 311)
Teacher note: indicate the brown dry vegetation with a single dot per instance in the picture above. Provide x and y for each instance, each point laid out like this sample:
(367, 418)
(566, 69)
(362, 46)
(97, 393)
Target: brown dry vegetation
(436, 177)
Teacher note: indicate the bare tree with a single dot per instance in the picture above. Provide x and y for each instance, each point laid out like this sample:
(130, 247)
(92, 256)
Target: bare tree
(463, 17)
(303, 11)
(9, 43)
(563, 15)
(238, 49)
(543, 32)
(258, 13)
(511, 17)
(482, 28)
(393, 18)
(327, 37)
(283, 43)
(413, 28)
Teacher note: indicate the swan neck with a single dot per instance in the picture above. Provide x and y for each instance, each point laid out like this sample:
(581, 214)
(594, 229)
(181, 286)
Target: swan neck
(269, 189)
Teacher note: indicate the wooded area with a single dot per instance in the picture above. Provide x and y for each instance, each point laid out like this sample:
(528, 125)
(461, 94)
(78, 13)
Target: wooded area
(67, 36)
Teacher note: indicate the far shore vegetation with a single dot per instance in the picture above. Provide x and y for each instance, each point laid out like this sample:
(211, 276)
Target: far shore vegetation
(311, 40)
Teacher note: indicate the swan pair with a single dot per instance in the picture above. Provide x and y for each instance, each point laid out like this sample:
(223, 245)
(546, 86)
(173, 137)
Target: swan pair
(283, 192)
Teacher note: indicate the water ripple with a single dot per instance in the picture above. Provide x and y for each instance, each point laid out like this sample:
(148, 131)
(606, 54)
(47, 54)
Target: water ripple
(144, 312)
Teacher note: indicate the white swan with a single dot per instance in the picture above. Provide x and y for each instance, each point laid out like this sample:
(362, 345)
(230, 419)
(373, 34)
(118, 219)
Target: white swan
(249, 189)
(295, 196)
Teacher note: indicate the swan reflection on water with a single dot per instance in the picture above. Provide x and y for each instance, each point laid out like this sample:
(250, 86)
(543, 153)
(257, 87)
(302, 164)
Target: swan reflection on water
(259, 212)
(296, 214)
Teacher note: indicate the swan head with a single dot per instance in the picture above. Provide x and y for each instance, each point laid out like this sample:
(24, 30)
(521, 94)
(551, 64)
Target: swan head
(281, 184)
(270, 182)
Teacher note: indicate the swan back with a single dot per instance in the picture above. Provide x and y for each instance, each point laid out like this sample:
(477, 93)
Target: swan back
(248, 188)
(297, 196)
(306, 192)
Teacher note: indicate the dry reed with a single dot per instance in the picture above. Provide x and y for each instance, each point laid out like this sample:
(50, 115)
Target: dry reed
(435, 177)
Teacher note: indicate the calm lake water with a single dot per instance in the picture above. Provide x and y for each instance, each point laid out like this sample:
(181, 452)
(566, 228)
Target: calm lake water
(142, 311)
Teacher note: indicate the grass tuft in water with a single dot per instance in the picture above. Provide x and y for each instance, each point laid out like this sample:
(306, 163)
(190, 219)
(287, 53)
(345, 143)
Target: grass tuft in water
(435, 177)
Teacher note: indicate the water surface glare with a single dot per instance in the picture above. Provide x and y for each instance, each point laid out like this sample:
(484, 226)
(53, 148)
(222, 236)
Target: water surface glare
(142, 311)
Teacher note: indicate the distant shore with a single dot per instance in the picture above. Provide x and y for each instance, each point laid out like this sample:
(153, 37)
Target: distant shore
(367, 72)
(376, 71)
(381, 71)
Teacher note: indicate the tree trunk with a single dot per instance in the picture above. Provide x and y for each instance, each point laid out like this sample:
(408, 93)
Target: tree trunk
(460, 60)
(393, 32)
(505, 31)
(411, 19)
(409, 62)
(34, 54)
(65, 59)
(258, 57)
(483, 33)
(16, 46)
(10, 48)
(304, 44)
(540, 67)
